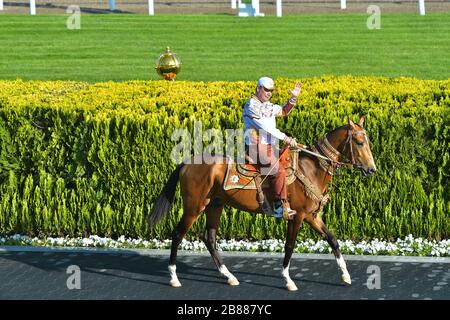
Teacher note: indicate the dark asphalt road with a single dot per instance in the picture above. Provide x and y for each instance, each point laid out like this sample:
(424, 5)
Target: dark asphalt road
(143, 275)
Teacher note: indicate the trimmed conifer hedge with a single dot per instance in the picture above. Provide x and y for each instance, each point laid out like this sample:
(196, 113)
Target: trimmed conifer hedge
(78, 159)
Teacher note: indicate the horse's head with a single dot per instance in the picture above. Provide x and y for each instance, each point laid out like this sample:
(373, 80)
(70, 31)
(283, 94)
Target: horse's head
(351, 146)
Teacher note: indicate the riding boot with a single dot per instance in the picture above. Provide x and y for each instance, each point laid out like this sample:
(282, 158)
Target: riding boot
(281, 209)
(278, 209)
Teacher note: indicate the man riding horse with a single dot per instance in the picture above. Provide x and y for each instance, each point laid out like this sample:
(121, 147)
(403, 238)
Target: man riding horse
(203, 191)
(261, 135)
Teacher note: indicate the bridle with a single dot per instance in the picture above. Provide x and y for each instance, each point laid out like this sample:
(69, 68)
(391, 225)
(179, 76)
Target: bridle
(330, 160)
(348, 141)
(337, 159)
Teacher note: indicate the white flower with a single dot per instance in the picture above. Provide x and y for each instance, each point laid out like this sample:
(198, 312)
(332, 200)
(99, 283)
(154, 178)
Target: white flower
(407, 246)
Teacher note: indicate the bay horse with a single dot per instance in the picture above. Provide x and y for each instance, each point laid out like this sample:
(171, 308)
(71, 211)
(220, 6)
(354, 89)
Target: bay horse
(202, 191)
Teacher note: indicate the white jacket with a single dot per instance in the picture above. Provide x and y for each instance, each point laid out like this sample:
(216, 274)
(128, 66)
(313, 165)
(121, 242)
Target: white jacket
(260, 122)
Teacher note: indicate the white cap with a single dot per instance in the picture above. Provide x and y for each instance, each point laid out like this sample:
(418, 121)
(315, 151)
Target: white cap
(266, 82)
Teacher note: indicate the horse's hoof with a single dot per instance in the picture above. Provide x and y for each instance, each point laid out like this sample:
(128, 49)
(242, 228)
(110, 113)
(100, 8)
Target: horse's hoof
(233, 282)
(175, 283)
(291, 286)
(346, 279)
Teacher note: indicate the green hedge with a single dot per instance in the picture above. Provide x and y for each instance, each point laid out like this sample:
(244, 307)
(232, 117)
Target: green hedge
(79, 159)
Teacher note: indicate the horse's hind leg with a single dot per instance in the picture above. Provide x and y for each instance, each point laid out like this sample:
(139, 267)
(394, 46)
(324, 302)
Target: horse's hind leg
(213, 212)
(190, 215)
(318, 225)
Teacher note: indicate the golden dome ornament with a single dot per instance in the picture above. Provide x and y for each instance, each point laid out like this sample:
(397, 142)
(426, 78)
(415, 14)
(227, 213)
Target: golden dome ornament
(168, 65)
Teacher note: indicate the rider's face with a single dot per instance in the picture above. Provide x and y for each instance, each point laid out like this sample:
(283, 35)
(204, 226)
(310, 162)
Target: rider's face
(263, 94)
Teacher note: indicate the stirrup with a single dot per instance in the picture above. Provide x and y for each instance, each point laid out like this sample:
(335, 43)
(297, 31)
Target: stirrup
(288, 213)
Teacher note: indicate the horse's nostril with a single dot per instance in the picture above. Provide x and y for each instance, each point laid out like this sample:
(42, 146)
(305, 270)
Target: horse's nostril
(369, 171)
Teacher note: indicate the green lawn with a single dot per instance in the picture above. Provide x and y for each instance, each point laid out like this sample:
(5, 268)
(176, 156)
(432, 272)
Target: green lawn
(220, 47)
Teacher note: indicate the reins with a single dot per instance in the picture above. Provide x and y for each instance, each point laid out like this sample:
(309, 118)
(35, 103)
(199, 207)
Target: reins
(326, 152)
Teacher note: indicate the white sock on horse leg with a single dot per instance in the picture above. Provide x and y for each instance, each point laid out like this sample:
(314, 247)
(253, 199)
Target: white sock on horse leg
(231, 279)
(342, 265)
(174, 282)
(289, 283)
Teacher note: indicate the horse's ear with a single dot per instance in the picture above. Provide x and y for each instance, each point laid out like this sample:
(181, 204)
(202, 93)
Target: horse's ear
(361, 121)
(350, 122)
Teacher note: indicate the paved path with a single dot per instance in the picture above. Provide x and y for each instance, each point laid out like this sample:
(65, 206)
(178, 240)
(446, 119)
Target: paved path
(46, 273)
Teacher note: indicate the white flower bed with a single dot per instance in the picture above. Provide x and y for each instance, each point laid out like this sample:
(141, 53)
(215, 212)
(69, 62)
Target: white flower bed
(409, 246)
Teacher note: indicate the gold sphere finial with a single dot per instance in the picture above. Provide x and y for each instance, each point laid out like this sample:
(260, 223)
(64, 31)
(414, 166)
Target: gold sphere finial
(168, 65)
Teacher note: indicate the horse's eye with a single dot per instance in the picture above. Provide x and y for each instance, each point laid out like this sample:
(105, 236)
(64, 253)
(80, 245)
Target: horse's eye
(359, 143)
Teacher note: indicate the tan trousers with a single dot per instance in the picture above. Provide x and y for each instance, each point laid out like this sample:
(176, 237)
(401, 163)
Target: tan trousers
(267, 158)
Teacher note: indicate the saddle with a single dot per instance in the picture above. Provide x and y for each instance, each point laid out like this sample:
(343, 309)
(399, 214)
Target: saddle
(247, 176)
(244, 176)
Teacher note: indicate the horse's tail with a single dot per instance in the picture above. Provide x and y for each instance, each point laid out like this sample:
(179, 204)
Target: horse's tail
(163, 204)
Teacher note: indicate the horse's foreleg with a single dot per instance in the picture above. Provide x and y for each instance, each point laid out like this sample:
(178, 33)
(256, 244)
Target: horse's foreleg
(291, 235)
(332, 241)
(213, 212)
(318, 225)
